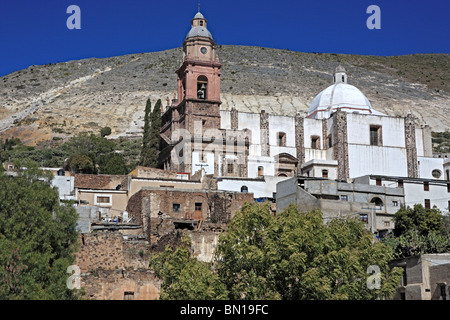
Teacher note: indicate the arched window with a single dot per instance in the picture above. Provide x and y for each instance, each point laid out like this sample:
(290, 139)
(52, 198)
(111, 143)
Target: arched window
(260, 171)
(377, 201)
(202, 86)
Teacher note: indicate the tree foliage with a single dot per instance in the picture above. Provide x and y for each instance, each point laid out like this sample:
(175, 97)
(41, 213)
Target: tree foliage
(37, 238)
(419, 231)
(185, 277)
(422, 220)
(292, 255)
(151, 136)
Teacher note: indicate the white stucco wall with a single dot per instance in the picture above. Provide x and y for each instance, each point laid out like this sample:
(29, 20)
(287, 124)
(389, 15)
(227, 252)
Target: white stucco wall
(208, 164)
(366, 159)
(426, 166)
(312, 127)
(438, 195)
(259, 188)
(387, 159)
(358, 129)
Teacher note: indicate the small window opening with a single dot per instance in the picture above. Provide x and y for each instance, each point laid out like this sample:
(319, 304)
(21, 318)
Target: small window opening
(375, 136)
(260, 171)
(315, 142)
(281, 139)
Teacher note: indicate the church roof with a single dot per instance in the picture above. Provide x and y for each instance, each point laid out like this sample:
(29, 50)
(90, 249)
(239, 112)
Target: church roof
(199, 16)
(199, 32)
(339, 96)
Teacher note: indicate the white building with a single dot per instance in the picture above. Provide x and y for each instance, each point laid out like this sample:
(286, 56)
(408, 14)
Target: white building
(428, 192)
(341, 137)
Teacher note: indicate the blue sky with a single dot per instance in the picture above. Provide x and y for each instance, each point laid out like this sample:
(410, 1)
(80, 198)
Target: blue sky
(34, 32)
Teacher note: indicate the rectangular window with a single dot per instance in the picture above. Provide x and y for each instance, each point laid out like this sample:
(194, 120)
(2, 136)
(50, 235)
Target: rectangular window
(230, 168)
(387, 224)
(364, 218)
(344, 197)
(260, 171)
(315, 142)
(375, 136)
(378, 181)
(427, 204)
(426, 186)
(282, 139)
(400, 183)
(103, 199)
(128, 295)
(448, 187)
(395, 203)
(176, 207)
(330, 141)
(324, 173)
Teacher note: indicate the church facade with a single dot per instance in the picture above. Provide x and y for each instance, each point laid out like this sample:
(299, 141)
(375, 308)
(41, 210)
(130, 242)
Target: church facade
(342, 136)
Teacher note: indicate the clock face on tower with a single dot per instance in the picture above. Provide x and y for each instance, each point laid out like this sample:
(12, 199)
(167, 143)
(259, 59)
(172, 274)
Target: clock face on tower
(203, 50)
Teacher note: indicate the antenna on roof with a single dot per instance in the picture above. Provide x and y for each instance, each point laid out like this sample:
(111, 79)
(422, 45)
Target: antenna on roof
(199, 6)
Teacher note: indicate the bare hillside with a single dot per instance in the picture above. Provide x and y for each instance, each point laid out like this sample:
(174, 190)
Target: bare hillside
(62, 99)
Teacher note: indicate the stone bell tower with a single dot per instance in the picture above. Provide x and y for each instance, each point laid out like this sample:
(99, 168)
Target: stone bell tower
(198, 94)
(199, 76)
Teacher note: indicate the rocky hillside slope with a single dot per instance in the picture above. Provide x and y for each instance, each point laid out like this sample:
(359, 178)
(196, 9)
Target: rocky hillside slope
(62, 99)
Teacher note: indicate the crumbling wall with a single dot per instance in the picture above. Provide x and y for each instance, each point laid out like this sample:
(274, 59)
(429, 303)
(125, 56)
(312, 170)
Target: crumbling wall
(109, 251)
(120, 284)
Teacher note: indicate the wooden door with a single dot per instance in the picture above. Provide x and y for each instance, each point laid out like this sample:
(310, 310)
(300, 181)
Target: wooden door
(198, 211)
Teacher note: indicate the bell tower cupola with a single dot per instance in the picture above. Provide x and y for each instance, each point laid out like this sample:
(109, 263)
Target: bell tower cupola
(199, 73)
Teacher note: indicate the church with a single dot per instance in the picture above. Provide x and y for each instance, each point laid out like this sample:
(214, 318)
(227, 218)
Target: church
(341, 137)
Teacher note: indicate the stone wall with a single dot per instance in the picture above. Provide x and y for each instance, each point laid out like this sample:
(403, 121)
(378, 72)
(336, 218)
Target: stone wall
(120, 284)
(114, 269)
(340, 144)
(410, 144)
(100, 250)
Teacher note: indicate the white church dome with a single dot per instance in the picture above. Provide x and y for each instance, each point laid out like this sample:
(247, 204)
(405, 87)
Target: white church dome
(340, 95)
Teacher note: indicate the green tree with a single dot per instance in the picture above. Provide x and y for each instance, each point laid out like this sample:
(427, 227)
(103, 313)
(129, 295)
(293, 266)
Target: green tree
(88, 146)
(115, 165)
(292, 255)
(81, 163)
(105, 131)
(417, 218)
(296, 256)
(419, 231)
(151, 135)
(185, 277)
(37, 238)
